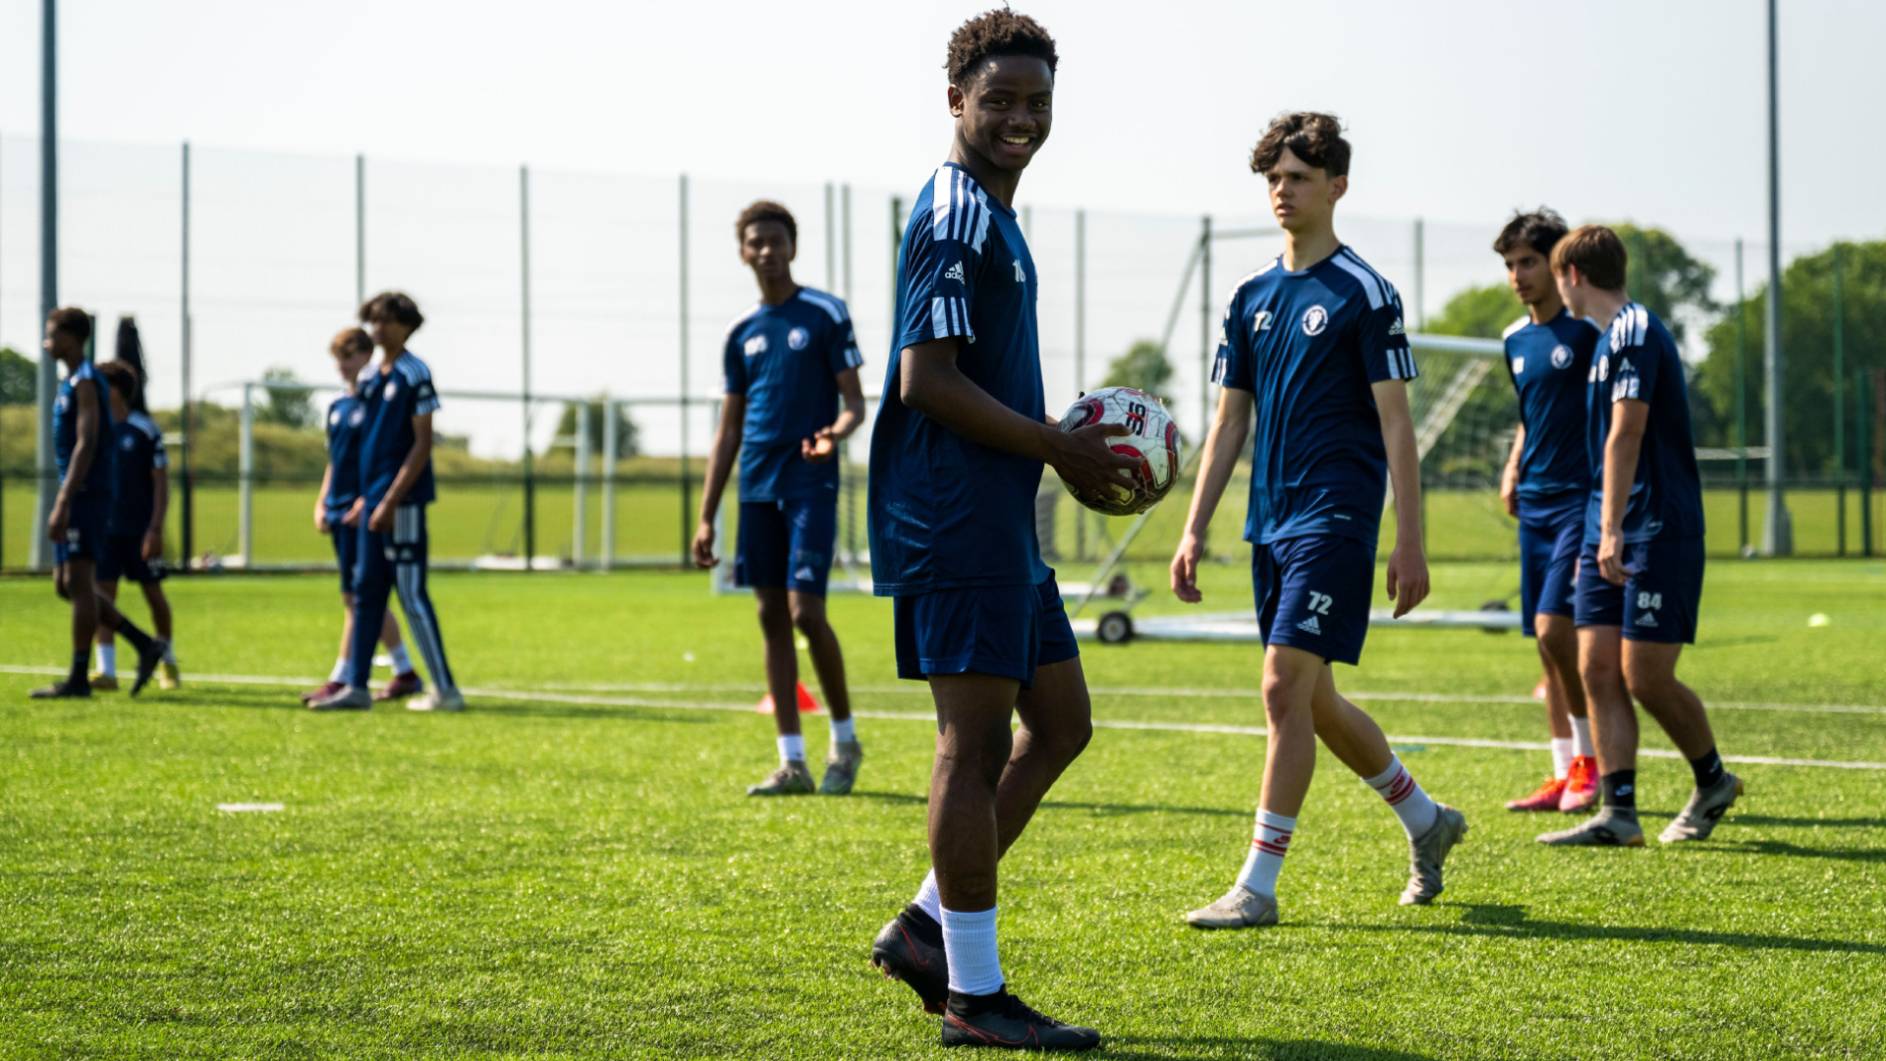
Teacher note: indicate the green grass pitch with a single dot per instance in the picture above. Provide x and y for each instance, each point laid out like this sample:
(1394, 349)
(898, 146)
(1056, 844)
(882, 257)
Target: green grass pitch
(571, 869)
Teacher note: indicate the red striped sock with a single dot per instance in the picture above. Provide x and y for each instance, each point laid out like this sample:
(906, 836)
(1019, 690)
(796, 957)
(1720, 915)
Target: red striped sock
(1416, 809)
(1270, 842)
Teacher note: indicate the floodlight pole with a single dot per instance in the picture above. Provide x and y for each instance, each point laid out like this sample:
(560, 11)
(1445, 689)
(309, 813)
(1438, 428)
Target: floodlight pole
(1777, 538)
(48, 268)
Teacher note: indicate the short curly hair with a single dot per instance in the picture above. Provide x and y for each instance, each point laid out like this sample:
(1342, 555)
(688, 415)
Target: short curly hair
(396, 306)
(993, 33)
(72, 321)
(1314, 137)
(765, 210)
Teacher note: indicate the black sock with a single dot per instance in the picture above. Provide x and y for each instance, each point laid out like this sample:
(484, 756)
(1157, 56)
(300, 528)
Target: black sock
(922, 925)
(1708, 768)
(1619, 791)
(140, 640)
(77, 676)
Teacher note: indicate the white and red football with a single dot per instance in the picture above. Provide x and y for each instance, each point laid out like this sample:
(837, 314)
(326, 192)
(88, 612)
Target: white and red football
(1152, 439)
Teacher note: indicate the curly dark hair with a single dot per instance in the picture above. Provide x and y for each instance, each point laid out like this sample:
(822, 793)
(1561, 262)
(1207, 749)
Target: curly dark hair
(397, 306)
(72, 321)
(997, 32)
(1541, 230)
(1314, 137)
(765, 210)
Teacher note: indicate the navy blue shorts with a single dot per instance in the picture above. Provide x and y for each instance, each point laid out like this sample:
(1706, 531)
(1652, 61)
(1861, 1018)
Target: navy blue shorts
(1662, 591)
(1548, 567)
(124, 558)
(85, 533)
(786, 544)
(1007, 631)
(346, 550)
(1313, 594)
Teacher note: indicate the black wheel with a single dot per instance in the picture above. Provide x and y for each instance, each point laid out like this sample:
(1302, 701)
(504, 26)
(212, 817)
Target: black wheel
(1115, 628)
(1495, 606)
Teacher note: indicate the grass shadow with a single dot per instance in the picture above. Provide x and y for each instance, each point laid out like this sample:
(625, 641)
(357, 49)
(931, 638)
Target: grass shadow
(1837, 823)
(1202, 1046)
(1065, 804)
(1501, 921)
(1788, 850)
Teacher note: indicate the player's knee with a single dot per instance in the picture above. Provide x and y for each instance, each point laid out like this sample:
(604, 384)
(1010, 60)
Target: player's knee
(775, 616)
(1599, 672)
(1649, 682)
(1283, 702)
(808, 617)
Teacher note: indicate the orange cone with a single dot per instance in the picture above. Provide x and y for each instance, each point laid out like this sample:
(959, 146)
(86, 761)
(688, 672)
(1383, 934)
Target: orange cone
(807, 703)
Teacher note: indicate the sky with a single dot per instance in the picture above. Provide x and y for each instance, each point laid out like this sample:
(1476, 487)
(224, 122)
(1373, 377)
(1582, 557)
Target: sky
(1459, 112)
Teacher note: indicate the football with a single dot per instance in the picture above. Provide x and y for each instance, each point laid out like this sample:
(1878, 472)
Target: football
(1153, 440)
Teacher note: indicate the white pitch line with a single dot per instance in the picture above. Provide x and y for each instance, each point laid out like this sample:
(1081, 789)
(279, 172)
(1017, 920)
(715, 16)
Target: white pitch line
(1226, 729)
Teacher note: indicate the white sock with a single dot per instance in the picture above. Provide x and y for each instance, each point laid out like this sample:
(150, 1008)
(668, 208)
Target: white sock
(928, 899)
(846, 731)
(402, 663)
(1561, 757)
(339, 673)
(792, 748)
(1581, 737)
(1270, 841)
(969, 948)
(108, 659)
(1414, 807)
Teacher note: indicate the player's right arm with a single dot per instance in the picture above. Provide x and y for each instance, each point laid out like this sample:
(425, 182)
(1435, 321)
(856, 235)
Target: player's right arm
(84, 450)
(320, 499)
(929, 381)
(1229, 427)
(1509, 477)
(727, 438)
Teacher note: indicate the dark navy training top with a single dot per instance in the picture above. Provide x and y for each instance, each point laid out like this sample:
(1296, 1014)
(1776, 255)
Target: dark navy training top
(1548, 364)
(1308, 345)
(947, 512)
(1637, 360)
(785, 359)
(392, 400)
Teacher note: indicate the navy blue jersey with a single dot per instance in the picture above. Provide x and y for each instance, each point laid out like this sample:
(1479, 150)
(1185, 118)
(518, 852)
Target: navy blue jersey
(65, 432)
(392, 399)
(1548, 364)
(140, 455)
(784, 358)
(346, 426)
(1308, 345)
(1637, 361)
(947, 512)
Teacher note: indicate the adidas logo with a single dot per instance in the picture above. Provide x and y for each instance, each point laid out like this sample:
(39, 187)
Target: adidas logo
(1397, 328)
(955, 272)
(1645, 619)
(1311, 626)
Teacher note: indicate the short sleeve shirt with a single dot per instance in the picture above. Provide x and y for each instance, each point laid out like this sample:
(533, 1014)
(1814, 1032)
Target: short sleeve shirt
(785, 359)
(947, 512)
(1309, 345)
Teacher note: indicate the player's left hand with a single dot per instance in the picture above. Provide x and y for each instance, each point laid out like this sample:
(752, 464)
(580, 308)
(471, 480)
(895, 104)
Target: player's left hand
(352, 518)
(1611, 557)
(153, 544)
(57, 521)
(1407, 578)
(820, 448)
(381, 522)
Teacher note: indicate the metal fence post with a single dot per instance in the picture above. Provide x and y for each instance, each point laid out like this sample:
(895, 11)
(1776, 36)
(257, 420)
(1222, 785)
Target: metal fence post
(1204, 327)
(1420, 275)
(687, 520)
(530, 477)
(245, 472)
(1741, 406)
(360, 229)
(1080, 354)
(1840, 400)
(579, 534)
(610, 447)
(48, 270)
(186, 422)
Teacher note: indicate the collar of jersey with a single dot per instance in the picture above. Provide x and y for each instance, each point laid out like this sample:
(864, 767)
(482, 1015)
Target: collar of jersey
(994, 204)
(1312, 267)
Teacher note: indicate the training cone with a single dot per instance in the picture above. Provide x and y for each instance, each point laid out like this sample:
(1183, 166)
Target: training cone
(807, 704)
